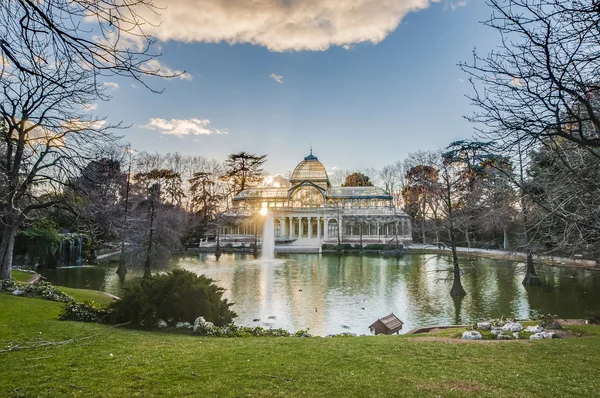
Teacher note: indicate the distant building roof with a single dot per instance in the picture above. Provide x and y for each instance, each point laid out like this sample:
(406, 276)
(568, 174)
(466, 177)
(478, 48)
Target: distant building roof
(310, 169)
(391, 322)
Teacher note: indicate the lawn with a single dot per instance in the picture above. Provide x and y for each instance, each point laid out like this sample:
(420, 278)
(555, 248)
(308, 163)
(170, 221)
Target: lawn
(125, 362)
(21, 276)
(86, 295)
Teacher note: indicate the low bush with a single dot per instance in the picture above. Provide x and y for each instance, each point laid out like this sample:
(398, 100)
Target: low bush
(43, 290)
(46, 291)
(86, 311)
(177, 296)
(546, 321)
(8, 285)
(233, 330)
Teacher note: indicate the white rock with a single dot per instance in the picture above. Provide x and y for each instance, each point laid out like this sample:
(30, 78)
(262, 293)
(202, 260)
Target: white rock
(512, 327)
(496, 331)
(203, 327)
(471, 335)
(161, 323)
(484, 325)
(180, 325)
(17, 292)
(542, 335)
(503, 337)
(534, 329)
(516, 334)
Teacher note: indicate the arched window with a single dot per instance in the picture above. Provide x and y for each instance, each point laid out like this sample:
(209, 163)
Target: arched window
(308, 196)
(277, 228)
(332, 228)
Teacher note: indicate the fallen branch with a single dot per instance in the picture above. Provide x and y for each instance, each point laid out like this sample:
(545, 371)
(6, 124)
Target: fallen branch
(39, 343)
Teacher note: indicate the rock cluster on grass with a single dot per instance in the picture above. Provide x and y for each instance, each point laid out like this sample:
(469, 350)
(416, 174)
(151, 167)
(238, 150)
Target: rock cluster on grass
(512, 327)
(201, 326)
(542, 335)
(507, 329)
(484, 325)
(534, 329)
(471, 335)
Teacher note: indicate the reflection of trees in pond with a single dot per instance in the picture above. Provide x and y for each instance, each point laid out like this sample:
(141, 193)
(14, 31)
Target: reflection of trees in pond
(508, 292)
(79, 277)
(566, 292)
(422, 284)
(457, 301)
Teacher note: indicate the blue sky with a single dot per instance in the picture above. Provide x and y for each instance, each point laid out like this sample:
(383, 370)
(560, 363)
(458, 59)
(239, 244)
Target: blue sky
(361, 105)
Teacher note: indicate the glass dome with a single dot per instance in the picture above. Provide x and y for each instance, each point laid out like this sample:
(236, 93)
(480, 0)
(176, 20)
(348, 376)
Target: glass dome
(310, 169)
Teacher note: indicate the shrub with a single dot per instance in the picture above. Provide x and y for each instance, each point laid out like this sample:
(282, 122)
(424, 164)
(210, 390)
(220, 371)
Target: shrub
(233, 330)
(43, 290)
(8, 285)
(546, 321)
(46, 291)
(86, 311)
(177, 296)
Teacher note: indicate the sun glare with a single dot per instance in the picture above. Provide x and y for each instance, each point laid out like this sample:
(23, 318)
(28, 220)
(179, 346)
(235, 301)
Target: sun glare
(263, 210)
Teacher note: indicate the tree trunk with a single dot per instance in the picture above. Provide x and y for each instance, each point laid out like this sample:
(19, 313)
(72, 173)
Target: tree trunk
(531, 278)
(457, 289)
(467, 237)
(505, 231)
(7, 243)
(147, 272)
(423, 228)
(122, 270)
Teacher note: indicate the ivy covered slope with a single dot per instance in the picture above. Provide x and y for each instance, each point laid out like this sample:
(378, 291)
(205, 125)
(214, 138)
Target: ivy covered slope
(125, 362)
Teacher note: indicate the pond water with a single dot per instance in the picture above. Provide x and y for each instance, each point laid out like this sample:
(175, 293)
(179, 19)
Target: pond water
(336, 294)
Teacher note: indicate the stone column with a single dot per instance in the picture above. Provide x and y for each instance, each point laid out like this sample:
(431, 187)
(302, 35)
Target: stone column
(282, 227)
(291, 233)
(319, 228)
(309, 227)
(325, 228)
(300, 227)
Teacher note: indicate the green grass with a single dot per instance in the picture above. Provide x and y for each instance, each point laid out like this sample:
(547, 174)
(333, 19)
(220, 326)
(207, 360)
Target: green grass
(126, 362)
(21, 276)
(86, 295)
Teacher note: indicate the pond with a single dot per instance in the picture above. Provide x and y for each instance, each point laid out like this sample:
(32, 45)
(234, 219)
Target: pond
(336, 294)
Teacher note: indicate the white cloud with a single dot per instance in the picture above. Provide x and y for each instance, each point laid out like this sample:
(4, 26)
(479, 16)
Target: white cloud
(154, 65)
(111, 85)
(91, 107)
(277, 78)
(281, 25)
(457, 4)
(182, 127)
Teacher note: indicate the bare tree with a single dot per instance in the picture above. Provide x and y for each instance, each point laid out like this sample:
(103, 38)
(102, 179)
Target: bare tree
(53, 56)
(538, 92)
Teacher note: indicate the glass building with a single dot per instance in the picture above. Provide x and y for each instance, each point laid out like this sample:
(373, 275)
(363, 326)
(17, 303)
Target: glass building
(311, 212)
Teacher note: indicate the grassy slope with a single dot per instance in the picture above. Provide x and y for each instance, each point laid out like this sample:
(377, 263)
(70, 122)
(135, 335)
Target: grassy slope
(21, 276)
(85, 294)
(164, 364)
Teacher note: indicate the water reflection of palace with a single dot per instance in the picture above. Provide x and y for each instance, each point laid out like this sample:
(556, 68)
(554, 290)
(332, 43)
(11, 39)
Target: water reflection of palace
(312, 212)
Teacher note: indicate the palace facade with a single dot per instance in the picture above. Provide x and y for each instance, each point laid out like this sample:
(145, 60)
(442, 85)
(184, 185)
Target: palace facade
(311, 212)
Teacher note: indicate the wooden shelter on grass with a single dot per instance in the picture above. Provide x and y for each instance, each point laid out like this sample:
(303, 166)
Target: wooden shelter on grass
(387, 325)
